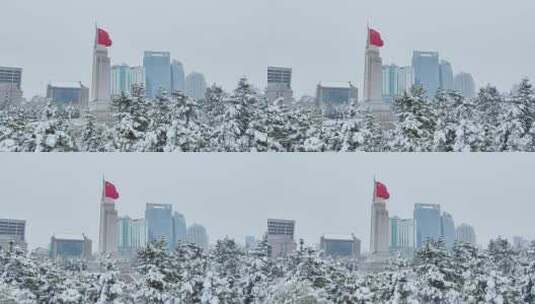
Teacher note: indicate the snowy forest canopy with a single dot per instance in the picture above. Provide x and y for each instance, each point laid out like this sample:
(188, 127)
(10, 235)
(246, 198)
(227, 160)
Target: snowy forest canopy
(243, 121)
(228, 274)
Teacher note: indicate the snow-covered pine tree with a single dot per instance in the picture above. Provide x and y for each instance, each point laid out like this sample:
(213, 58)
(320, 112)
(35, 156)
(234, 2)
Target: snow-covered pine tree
(92, 138)
(131, 122)
(158, 277)
(52, 133)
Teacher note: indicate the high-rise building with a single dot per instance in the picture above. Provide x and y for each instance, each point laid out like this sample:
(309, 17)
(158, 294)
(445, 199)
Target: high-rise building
(465, 84)
(396, 81)
(250, 242)
(70, 246)
(280, 236)
(466, 234)
(10, 86)
(157, 66)
(132, 235)
(12, 233)
(197, 235)
(448, 232)
(428, 223)
(159, 219)
(446, 76)
(340, 245)
(373, 85)
(401, 235)
(108, 228)
(196, 85)
(137, 77)
(68, 93)
(426, 71)
(178, 81)
(179, 228)
(279, 84)
(100, 99)
(120, 79)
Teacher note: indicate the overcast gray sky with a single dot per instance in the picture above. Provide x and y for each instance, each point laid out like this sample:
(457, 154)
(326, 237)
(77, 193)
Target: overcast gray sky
(322, 40)
(234, 194)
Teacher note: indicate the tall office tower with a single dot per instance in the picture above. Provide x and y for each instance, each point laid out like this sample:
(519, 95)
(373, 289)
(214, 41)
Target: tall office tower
(250, 242)
(12, 233)
(390, 82)
(428, 221)
(426, 71)
(465, 84)
(405, 80)
(448, 232)
(157, 66)
(280, 236)
(340, 245)
(401, 235)
(108, 231)
(466, 234)
(446, 76)
(279, 84)
(139, 233)
(132, 235)
(196, 85)
(124, 240)
(68, 93)
(373, 80)
(380, 235)
(10, 86)
(179, 228)
(70, 246)
(197, 235)
(100, 100)
(178, 81)
(159, 219)
(137, 76)
(120, 79)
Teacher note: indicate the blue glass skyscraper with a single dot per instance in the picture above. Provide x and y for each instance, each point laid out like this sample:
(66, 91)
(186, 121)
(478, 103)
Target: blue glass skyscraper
(428, 223)
(159, 218)
(426, 71)
(178, 78)
(157, 66)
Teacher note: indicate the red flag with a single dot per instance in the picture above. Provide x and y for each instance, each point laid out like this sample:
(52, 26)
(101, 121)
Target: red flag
(381, 191)
(110, 191)
(375, 38)
(103, 38)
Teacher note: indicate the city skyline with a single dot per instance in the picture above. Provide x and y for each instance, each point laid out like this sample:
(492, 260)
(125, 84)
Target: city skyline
(321, 196)
(248, 50)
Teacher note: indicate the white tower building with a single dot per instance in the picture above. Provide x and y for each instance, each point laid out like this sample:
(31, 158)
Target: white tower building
(108, 232)
(100, 102)
(379, 231)
(373, 82)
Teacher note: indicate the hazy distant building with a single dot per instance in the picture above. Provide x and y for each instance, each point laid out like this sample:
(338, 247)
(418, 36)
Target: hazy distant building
(68, 93)
(428, 223)
(466, 234)
(279, 84)
(10, 86)
(132, 235)
(401, 235)
(336, 96)
(178, 78)
(340, 245)
(465, 84)
(108, 230)
(197, 235)
(157, 67)
(250, 242)
(70, 246)
(448, 231)
(280, 236)
(520, 242)
(426, 67)
(396, 81)
(196, 85)
(159, 218)
(12, 233)
(179, 228)
(446, 76)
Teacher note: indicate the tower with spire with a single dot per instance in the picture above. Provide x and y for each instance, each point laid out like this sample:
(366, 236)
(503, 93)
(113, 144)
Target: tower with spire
(379, 236)
(108, 229)
(100, 102)
(373, 80)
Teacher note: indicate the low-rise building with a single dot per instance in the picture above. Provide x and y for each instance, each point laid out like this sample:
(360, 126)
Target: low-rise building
(340, 245)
